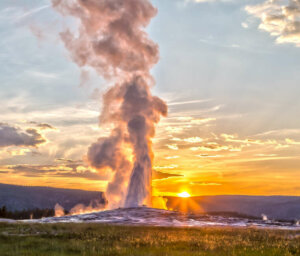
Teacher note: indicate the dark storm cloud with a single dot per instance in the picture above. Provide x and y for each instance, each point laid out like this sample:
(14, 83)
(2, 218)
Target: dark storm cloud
(12, 136)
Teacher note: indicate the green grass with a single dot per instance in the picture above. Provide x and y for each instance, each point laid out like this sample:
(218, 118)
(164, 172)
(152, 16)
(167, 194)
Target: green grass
(97, 239)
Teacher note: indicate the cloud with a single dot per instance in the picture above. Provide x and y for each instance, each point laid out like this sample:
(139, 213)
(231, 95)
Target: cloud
(19, 152)
(200, 121)
(176, 103)
(171, 157)
(215, 147)
(180, 124)
(173, 146)
(163, 175)
(188, 140)
(16, 14)
(42, 75)
(280, 132)
(193, 140)
(280, 18)
(12, 136)
(292, 142)
(58, 171)
(70, 161)
(209, 156)
(249, 142)
(32, 12)
(205, 184)
(235, 139)
(244, 25)
(46, 126)
(266, 155)
(43, 126)
(172, 166)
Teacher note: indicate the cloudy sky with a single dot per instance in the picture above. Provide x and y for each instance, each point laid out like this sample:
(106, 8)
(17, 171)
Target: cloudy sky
(229, 72)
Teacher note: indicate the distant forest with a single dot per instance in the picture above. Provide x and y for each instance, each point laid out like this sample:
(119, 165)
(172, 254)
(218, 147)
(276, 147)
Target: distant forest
(26, 214)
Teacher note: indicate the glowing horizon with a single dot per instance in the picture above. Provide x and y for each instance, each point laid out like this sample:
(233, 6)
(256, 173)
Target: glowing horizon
(184, 194)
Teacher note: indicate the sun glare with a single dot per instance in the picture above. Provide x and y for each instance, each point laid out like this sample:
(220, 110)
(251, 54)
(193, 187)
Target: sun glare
(184, 194)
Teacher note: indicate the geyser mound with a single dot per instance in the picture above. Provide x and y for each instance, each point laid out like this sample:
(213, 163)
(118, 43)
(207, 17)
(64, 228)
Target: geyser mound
(146, 216)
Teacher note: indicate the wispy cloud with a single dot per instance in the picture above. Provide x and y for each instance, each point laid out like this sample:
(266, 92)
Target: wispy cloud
(17, 14)
(292, 142)
(280, 132)
(173, 146)
(30, 13)
(63, 171)
(187, 102)
(205, 184)
(172, 166)
(233, 46)
(42, 75)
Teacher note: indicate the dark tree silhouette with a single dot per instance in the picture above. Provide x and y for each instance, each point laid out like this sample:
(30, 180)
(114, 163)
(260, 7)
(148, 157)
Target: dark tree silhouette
(26, 214)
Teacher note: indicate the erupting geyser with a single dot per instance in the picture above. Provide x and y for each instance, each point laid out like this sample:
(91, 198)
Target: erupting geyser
(111, 39)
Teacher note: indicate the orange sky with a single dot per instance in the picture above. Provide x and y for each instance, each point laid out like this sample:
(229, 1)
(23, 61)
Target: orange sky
(231, 84)
(188, 157)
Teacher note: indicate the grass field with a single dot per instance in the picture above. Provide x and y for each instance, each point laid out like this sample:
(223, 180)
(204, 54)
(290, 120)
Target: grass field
(98, 239)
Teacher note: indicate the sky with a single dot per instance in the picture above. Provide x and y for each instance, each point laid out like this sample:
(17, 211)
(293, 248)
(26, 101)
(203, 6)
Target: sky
(228, 70)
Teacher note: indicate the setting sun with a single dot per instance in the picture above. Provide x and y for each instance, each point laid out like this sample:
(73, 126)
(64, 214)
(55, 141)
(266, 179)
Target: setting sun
(184, 194)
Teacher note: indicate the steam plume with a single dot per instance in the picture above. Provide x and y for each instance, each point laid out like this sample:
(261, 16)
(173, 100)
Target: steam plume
(112, 40)
(59, 210)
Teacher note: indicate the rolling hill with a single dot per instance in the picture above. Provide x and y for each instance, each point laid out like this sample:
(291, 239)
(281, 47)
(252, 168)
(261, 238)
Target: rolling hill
(25, 197)
(274, 207)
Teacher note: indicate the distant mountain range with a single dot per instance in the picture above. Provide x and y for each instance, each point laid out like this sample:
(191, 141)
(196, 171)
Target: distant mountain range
(25, 198)
(274, 207)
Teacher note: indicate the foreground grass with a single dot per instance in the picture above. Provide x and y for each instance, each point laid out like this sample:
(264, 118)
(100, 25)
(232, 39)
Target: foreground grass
(97, 239)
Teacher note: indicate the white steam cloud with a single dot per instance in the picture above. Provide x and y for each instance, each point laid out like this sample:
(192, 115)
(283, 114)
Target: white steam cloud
(112, 40)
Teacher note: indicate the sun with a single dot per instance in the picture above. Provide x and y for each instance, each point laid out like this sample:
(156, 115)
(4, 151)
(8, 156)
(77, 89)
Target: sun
(184, 194)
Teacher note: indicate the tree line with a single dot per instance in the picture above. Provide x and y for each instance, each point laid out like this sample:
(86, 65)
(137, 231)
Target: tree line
(26, 214)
